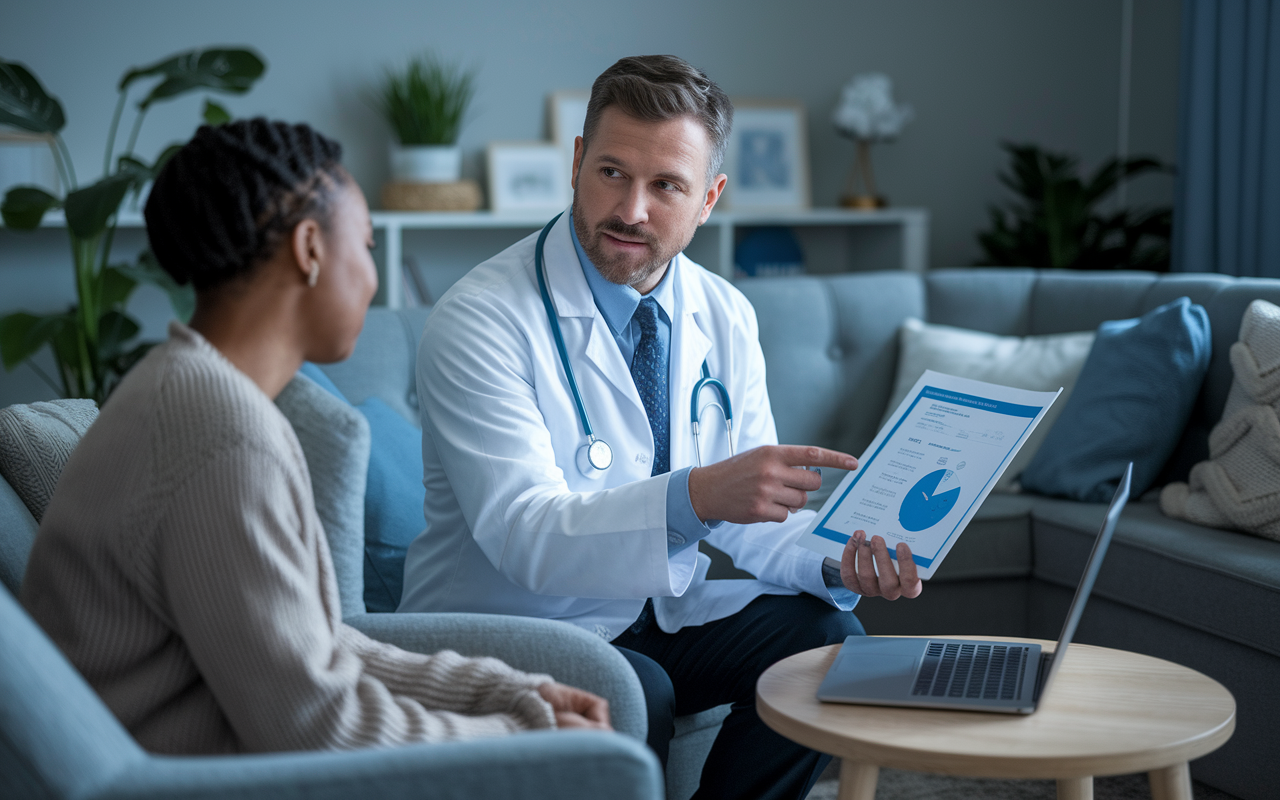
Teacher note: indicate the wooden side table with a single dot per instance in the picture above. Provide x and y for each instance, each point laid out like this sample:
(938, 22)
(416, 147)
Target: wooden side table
(1109, 712)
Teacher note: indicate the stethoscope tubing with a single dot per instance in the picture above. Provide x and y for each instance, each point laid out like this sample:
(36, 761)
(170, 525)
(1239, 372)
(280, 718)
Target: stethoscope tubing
(706, 381)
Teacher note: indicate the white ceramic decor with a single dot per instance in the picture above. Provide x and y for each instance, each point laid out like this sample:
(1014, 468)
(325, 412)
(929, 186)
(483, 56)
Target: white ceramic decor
(426, 163)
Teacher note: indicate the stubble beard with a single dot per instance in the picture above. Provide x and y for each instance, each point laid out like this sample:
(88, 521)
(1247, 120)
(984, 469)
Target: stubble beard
(620, 269)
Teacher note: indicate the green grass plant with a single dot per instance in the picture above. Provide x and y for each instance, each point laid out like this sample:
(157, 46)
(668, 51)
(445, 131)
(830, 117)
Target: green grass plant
(425, 103)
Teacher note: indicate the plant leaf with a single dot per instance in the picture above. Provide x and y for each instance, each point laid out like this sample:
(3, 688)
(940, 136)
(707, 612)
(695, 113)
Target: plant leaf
(115, 328)
(114, 287)
(22, 334)
(220, 69)
(25, 104)
(148, 270)
(215, 114)
(89, 209)
(25, 206)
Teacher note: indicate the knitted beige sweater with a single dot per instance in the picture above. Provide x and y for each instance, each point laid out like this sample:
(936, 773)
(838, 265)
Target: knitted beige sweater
(182, 568)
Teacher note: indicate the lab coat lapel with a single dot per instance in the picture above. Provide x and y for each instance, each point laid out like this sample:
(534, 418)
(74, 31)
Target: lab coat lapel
(689, 346)
(586, 333)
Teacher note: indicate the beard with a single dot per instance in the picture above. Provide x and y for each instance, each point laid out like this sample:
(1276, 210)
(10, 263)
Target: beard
(633, 271)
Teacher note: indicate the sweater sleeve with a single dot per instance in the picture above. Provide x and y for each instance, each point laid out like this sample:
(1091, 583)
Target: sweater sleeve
(241, 578)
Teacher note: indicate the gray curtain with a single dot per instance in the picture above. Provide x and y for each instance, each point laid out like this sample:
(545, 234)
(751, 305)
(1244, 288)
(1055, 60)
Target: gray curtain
(1227, 213)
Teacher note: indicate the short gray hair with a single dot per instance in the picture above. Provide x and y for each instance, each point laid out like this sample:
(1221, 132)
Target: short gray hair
(659, 88)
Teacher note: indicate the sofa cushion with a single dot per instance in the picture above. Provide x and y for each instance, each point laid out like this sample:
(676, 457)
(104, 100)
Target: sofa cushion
(335, 441)
(1217, 581)
(1130, 403)
(393, 496)
(35, 442)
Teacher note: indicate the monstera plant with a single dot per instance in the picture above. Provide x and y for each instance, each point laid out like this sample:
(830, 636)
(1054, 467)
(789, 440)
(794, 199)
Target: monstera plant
(94, 342)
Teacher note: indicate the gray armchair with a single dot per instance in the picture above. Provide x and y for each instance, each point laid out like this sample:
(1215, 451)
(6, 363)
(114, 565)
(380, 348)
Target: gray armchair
(58, 740)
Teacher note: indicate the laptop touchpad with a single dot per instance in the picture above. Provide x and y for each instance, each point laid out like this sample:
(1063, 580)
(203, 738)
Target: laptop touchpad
(870, 674)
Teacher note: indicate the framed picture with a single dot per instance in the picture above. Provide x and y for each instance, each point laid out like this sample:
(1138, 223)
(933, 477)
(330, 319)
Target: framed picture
(566, 111)
(527, 176)
(767, 160)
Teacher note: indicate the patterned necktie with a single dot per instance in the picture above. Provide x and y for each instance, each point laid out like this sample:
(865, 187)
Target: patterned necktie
(649, 371)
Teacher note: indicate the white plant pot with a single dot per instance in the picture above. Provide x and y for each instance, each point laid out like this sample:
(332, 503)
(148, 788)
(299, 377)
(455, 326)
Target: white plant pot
(426, 163)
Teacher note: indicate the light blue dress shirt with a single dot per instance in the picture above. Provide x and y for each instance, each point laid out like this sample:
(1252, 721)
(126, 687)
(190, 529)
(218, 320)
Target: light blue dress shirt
(617, 304)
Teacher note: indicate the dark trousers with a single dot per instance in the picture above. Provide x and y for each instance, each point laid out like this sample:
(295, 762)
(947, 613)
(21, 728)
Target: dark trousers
(702, 667)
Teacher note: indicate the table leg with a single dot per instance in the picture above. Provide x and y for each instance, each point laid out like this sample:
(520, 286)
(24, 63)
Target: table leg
(1171, 783)
(1075, 788)
(858, 781)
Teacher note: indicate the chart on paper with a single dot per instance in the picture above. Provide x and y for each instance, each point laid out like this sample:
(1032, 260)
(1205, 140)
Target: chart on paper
(930, 467)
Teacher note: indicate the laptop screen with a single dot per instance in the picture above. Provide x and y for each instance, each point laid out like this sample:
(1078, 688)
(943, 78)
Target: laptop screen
(1090, 575)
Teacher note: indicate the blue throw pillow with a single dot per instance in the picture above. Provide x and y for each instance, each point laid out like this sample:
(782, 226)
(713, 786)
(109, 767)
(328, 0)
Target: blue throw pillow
(393, 498)
(1131, 403)
(392, 503)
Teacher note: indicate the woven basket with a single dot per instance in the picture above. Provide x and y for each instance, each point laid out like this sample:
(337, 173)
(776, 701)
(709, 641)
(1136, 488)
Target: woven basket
(456, 196)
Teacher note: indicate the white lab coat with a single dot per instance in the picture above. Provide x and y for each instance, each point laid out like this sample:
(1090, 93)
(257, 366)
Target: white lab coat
(513, 527)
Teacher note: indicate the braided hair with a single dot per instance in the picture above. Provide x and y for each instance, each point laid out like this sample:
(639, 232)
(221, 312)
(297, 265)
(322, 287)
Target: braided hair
(225, 201)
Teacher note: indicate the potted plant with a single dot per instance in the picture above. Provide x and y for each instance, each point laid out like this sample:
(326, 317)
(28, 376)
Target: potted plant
(93, 341)
(1055, 222)
(425, 105)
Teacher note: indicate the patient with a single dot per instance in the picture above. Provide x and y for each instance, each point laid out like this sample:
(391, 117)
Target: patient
(181, 565)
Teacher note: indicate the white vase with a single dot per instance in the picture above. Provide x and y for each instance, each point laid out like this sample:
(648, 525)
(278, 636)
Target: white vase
(427, 163)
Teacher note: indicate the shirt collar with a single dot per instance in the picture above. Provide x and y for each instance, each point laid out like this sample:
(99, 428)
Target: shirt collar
(618, 302)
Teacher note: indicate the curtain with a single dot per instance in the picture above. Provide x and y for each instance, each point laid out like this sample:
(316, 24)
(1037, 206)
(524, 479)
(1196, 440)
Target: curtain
(1227, 212)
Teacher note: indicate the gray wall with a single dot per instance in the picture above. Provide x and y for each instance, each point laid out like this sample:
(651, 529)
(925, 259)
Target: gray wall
(977, 72)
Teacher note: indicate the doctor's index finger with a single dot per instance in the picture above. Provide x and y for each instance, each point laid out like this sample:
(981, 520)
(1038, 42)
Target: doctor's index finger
(796, 455)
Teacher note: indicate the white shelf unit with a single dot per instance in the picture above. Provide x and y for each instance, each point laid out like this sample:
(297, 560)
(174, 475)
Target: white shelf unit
(834, 239)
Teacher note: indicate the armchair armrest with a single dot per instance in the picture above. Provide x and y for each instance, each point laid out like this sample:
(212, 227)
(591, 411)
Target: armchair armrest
(566, 652)
(542, 765)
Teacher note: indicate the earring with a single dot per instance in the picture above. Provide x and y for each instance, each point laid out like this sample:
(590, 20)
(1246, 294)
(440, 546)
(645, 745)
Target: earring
(314, 275)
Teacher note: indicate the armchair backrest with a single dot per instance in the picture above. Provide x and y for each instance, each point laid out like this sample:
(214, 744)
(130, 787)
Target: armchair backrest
(57, 739)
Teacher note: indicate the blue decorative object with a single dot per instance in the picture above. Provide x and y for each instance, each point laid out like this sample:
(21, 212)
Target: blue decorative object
(393, 497)
(1131, 403)
(769, 252)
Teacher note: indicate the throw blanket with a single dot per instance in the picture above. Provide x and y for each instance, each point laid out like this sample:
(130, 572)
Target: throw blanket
(1239, 486)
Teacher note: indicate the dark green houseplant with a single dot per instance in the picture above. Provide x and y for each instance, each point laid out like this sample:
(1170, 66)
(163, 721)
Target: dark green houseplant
(94, 341)
(1055, 220)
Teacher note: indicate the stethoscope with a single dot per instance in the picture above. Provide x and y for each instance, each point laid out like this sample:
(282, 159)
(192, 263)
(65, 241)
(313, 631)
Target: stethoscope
(596, 455)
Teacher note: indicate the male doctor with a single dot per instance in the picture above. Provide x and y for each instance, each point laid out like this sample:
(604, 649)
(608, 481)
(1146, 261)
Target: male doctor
(519, 521)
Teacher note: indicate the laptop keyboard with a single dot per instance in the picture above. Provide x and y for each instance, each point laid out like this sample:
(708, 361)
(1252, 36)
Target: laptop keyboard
(984, 671)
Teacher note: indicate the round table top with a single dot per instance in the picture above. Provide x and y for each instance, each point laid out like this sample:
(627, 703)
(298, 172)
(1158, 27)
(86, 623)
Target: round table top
(1108, 712)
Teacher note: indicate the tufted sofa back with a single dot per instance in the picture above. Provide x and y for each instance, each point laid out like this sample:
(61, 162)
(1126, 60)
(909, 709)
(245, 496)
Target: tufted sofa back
(831, 342)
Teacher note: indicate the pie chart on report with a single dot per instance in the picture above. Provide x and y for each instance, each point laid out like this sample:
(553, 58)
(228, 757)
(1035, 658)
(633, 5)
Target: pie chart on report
(923, 507)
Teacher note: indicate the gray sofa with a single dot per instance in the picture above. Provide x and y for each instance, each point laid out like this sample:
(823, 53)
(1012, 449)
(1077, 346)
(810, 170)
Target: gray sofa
(1200, 597)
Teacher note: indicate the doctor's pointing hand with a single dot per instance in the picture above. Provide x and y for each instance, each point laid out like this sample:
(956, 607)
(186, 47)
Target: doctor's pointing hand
(768, 483)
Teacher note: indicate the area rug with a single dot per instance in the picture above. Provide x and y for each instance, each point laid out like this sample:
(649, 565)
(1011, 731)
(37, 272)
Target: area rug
(899, 785)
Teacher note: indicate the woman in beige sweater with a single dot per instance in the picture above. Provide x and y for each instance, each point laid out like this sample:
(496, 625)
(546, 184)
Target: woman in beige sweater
(181, 565)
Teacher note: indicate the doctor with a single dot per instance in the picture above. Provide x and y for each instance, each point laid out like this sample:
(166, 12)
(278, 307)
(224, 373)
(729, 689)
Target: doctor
(597, 330)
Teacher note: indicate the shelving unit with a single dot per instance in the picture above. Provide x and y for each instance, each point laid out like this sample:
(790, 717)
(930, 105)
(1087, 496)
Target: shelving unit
(447, 244)
(834, 239)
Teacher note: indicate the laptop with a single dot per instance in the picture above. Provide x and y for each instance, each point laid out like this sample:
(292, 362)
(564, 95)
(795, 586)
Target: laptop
(970, 675)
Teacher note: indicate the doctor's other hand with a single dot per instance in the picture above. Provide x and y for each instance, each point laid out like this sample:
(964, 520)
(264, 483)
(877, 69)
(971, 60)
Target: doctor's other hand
(764, 484)
(575, 708)
(861, 560)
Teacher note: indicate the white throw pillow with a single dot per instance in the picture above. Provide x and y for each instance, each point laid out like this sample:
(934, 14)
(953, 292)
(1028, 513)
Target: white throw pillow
(1038, 363)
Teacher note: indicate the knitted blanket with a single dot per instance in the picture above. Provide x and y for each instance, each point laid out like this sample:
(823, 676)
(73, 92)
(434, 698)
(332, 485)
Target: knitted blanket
(1239, 486)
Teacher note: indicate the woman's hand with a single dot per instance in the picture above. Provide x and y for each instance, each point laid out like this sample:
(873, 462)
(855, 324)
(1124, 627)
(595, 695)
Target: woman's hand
(575, 708)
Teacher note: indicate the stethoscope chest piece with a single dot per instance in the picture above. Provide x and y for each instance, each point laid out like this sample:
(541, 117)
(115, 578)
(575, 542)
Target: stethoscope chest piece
(594, 458)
